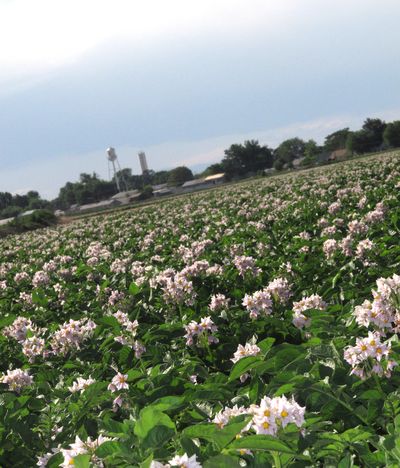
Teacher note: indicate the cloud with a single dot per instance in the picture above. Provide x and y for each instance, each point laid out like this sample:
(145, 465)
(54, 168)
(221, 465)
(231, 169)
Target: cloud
(46, 35)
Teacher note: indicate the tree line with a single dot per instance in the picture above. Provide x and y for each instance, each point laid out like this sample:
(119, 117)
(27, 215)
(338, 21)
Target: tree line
(240, 160)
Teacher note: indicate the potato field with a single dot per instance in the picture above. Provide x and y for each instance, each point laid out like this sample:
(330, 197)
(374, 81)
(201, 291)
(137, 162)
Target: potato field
(251, 325)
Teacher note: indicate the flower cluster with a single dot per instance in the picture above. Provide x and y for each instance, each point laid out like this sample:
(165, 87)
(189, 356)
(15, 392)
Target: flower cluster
(79, 447)
(204, 329)
(258, 303)
(71, 335)
(179, 290)
(129, 333)
(267, 417)
(383, 312)
(280, 290)
(247, 350)
(80, 385)
(369, 356)
(314, 301)
(180, 461)
(16, 379)
(19, 329)
(218, 302)
(246, 265)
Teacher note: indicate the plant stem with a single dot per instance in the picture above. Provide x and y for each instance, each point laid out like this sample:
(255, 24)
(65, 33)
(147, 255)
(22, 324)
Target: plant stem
(277, 460)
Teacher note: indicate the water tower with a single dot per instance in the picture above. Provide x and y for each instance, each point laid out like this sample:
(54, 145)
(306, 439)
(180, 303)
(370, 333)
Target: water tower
(143, 162)
(113, 165)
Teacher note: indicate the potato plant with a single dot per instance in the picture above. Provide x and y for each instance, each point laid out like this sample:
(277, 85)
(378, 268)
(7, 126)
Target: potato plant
(252, 325)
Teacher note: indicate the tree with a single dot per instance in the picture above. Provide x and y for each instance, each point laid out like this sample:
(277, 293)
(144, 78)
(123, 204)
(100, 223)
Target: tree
(5, 199)
(180, 175)
(391, 135)
(289, 150)
(311, 150)
(336, 140)
(369, 138)
(374, 129)
(241, 159)
(213, 169)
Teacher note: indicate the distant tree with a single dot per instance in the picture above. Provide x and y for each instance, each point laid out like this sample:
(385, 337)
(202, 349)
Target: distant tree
(11, 211)
(5, 199)
(160, 177)
(241, 159)
(375, 129)
(278, 164)
(336, 140)
(146, 193)
(289, 150)
(311, 150)
(391, 135)
(213, 169)
(368, 139)
(180, 175)
(125, 178)
(20, 200)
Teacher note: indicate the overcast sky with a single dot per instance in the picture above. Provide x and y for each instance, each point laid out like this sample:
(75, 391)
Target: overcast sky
(183, 79)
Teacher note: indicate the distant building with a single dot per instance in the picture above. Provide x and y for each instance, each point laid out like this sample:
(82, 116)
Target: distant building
(124, 198)
(216, 178)
(338, 155)
(143, 162)
(102, 205)
(270, 170)
(323, 157)
(199, 184)
(74, 207)
(297, 162)
(5, 221)
(26, 213)
(162, 191)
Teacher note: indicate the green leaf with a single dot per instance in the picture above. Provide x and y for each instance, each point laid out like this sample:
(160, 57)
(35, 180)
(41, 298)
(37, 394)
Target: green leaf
(134, 289)
(245, 364)
(261, 442)
(266, 345)
(82, 461)
(108, 448)
(222, 461)
(201, 431)
(154, 427)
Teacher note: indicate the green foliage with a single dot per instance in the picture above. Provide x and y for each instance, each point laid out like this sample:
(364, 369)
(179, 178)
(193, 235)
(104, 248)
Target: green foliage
(391, 135)
(118, 269)
(179, 175)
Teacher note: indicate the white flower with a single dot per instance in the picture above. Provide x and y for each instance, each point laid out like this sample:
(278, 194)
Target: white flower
(119, 382)
(81, 384)
(247, 350)
(183, 461)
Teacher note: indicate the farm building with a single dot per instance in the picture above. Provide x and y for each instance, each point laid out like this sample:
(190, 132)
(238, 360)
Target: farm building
(338, 155)
(216, 179)
(102, 205)
(124, 198)
(207, 182)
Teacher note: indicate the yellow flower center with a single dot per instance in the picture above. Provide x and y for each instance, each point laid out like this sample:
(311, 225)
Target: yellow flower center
(364, 347)
(284, 414)
(267, 413)
(265, 425)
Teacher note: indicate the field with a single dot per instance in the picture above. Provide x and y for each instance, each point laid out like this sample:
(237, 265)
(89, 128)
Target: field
(253, 325)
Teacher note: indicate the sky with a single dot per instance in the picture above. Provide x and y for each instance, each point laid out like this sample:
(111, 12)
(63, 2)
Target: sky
(183, 79)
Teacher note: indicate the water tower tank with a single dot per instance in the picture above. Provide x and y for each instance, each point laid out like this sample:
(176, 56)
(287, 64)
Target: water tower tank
(111, 154)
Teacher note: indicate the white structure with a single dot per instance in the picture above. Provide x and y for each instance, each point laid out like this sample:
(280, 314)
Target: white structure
(113, 161)
(143, 162)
